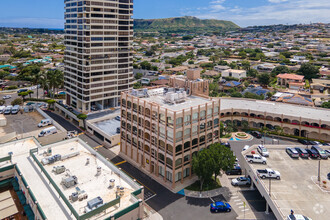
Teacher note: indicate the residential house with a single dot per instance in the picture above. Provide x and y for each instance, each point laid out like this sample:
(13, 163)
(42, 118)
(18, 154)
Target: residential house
(299, 59)
(238, 74)
(292, 81)
(229, 85)
(220, 69)
(256, 90)
(296, 99)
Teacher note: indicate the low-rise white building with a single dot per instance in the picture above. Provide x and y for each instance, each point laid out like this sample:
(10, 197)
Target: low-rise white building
(239, 74)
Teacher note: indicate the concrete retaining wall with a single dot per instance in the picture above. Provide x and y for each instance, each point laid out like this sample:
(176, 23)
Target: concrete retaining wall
(8, 137)
(44, 114)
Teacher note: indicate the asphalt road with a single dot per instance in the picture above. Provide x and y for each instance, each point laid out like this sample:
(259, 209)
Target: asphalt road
(14, 95)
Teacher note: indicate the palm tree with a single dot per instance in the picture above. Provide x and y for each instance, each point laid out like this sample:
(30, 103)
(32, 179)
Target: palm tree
(44, 81)
(36, 79)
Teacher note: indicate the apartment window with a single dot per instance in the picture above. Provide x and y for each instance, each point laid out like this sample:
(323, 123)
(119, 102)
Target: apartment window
(202, 115)
(187, 119)
(195, 117)
(179, 122)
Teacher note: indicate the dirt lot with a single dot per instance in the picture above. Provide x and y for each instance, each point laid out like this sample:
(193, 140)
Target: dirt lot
(29, 121)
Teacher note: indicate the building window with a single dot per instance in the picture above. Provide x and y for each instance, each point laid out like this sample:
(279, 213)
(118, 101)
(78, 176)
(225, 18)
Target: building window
(178, 176)
(161, 171)
(169, 176)
(186, 172)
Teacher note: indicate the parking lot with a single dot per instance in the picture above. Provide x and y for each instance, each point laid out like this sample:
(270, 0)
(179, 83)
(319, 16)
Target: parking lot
(297, 189)
(25, 125)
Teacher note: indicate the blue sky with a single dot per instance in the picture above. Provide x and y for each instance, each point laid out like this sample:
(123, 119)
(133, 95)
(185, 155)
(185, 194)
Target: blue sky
(49, 13)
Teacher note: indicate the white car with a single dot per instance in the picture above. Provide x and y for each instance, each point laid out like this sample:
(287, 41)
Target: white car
(245, 147)
(241, 181)
(263, 151)
(6, 97)
(297, 217)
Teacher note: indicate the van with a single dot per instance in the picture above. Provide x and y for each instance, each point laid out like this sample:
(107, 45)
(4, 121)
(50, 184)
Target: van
(2, 109)
(15, 110)
(8, 110)
(45, 122)
(47, 131)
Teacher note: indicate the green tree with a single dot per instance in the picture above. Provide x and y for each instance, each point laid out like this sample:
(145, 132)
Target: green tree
(23, 95)
(137, 85)
(270, 46)
(138, 75)
(36, 77)
(30, 92)
(279, 70)
(83, 117)
(242, 54)
(246, 65)
(17, 101)
(252, 73)
(326, 104)
(145, 65)
(309, 71)
(51, 103)
(202, 165)
(190, 62)
(2, 102)
(264, 79)
(223, 158)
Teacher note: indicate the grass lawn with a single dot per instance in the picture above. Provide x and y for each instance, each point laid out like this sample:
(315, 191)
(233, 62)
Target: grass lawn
(208, 185)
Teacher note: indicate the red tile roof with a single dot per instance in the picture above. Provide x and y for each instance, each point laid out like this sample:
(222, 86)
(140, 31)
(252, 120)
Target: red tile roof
(290, 76)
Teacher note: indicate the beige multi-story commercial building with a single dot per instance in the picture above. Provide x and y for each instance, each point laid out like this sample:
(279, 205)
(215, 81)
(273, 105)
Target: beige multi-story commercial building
(98, 58)
(161, 130)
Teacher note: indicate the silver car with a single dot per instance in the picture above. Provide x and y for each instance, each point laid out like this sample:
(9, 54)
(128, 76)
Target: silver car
(241, 181)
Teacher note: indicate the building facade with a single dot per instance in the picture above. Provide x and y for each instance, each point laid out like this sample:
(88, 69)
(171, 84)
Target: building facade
(161, 137)
(98, 58)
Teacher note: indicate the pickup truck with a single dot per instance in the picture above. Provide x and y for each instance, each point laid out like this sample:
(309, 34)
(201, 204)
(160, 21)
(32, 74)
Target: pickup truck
(256, 159)
(268, 173)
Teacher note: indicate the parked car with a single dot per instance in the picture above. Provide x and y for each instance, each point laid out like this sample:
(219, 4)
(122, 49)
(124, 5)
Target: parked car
(302, 152)
(328, 176)
(328, 152)
(241, 181)
(256, 134)
(245, 147)
(22, 90)
(320, 151)
(293, 153)
(220, 207)
(318, 143)
(6, 97)
(313, 153)
(48, 131)
(45, 122)
(304, 142)
(8, 110)
(255, 159)
(237, 170)
(117, 118)
(118, 130)
(15, 110)
(226, 144)
(2, 109)
(313, 143)
(263, 151)
(269, 173)
(297, 217)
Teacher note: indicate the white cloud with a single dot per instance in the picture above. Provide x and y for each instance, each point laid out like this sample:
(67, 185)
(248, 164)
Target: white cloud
(283, 12)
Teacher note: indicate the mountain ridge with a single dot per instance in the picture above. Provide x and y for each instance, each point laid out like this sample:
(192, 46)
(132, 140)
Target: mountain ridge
(179, 24)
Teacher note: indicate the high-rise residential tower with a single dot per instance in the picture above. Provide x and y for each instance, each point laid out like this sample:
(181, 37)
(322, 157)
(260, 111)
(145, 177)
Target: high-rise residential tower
(98, 57)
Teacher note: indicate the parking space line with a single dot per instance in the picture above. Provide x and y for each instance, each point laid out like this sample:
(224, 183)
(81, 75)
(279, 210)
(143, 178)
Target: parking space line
(234, 197)
(211, 199)
(150, 197)
(239, 203)
(237, 200)
(241, 206)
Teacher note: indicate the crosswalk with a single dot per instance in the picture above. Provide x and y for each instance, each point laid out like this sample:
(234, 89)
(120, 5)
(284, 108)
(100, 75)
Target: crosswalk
(238, 204)
(148, 195)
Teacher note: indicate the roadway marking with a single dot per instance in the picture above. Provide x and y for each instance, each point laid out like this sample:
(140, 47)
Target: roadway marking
(124, 161)
(241, 207)
(234, 197)
(211, 199)
(150, 197)
(237, 200)
(97, 147)
(239, 203)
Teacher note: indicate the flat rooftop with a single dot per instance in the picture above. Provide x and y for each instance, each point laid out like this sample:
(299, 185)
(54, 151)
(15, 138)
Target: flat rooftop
(297, 190)
(94, 185)
(108, 126)
(156, 96)
(276, 108)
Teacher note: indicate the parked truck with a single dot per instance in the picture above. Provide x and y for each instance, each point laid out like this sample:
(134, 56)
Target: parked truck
(268, 173)
(255, 159)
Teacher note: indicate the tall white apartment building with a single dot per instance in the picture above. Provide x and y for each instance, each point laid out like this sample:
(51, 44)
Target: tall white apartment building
(98, 57)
